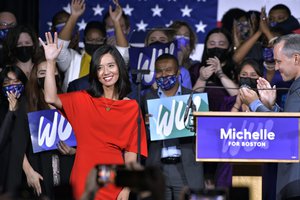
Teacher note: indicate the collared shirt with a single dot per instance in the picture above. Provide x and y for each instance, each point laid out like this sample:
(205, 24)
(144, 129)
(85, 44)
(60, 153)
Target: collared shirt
(169, 146)
(257, 103)
(161, 93)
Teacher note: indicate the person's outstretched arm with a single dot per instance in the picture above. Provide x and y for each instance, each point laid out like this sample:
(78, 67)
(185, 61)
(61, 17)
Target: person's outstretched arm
(77, 9)
(116, 16)
(51, 52)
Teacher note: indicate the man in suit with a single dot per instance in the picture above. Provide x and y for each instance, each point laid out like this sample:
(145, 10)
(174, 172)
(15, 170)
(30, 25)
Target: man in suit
(287, 61)
(175, 157)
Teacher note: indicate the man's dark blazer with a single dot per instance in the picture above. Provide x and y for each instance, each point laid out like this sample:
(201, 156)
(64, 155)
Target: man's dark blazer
(193, 170)
(79, 84)
(288, 175)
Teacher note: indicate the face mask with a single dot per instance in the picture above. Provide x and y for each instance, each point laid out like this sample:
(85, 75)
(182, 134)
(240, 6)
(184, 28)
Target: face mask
(41, 81)
(156, 43)
(268, 55)
(167, 82)
(244, 29)
(110, 32)
(288, 25)
(272, 24)
(91, 48)
(248, 82)
(16, 89)
(59, 27)
(24, 53)
(218, 52)
(3, 33)
(182, 41)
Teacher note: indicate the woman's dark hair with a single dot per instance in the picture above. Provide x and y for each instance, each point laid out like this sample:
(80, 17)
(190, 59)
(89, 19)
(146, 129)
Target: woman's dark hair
(228, 37)
(11, 41)
(20, 75)
(193, 37)
(122, 86)
(231, 15)
(228, 69)
(34, 94)
(257, 68)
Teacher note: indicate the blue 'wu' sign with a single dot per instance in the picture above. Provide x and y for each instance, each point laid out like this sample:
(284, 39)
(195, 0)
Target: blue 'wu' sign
(144, 58)
(47, 128)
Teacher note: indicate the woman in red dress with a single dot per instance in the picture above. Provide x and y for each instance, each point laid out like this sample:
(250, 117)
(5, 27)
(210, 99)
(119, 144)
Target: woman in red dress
(102, 117)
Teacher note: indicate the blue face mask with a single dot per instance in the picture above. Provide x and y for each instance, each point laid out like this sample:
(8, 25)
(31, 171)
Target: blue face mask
(268, 55)
(17, 89)
(167, 82)
(110, 32)
(182, 41)
(3, 33)
(59, 27)
(273, 24)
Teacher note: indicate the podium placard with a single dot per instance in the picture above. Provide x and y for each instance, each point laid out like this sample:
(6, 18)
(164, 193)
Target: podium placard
(247, 137)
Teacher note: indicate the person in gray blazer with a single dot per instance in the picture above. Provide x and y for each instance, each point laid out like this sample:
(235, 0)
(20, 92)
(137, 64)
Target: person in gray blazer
(175, 157)
(287, 61)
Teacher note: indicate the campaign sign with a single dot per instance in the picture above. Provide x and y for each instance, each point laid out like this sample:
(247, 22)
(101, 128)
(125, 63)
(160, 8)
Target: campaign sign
(258, 138)
(167, 116)
(144, 58)
(47, 128)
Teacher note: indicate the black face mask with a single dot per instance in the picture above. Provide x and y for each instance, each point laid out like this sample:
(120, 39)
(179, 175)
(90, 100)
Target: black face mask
(218, 52)
(24, 53)
(41, 82)
(91, 48)
(248, 82)
(156, 43)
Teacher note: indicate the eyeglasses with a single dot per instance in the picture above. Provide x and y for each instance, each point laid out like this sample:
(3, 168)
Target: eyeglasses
(96, 41)
(8, 25)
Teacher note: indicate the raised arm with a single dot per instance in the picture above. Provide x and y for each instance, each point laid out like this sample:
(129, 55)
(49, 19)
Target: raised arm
(116, 15)
(77, 9)
(51, 52)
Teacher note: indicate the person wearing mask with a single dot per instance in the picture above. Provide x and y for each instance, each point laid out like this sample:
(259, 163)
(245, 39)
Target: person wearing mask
(101, 139)
(280, 17)
(163, 35)
(263, 38)
(216, 69)
(178, 162)
(186, 40)
(20, 47)
(12, 81)
(75, 65)
(110, 27)
(216, 77)
(58, 22)
(52, 168)
(287, 62)
(7, 21)
(248, 73)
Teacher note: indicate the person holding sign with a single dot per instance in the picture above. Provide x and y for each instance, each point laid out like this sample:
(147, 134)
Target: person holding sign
(175, 157)
(44, 170)
(103, 119)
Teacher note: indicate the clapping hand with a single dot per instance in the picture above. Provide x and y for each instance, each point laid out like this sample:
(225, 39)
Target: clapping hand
(267, 94)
